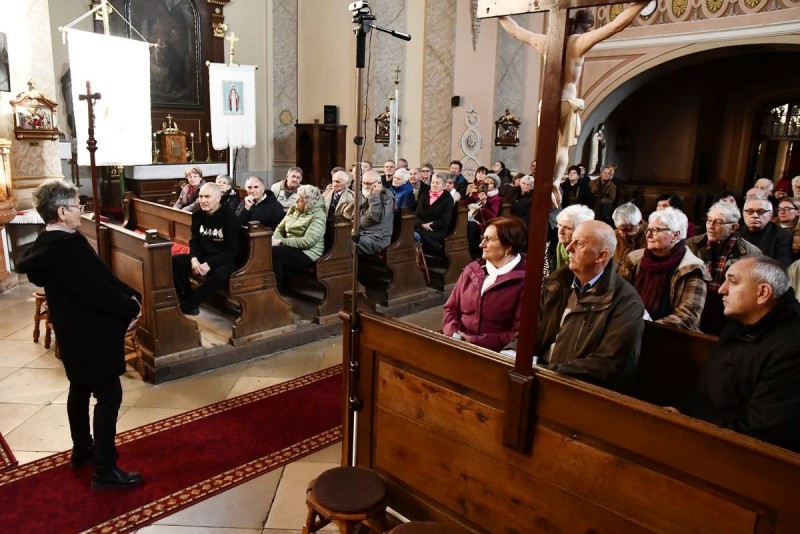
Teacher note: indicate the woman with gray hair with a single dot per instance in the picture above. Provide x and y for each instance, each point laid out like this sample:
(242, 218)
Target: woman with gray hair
(299, 239)
(230, 197)
(630, 230)
(403, 191)
(91, 310)
(670, 279)
(567, 221)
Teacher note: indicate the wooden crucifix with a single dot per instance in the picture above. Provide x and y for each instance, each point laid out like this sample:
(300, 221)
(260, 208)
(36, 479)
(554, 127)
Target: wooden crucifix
(564, 56)
(91, 146)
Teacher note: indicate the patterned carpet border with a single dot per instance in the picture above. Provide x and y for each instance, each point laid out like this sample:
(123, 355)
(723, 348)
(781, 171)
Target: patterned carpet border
(7, 460)
(62, 458)
(208, 488)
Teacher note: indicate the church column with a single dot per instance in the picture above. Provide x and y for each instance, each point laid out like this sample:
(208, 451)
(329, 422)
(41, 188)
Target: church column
(27, 29)
(284, 85)
(509, 82)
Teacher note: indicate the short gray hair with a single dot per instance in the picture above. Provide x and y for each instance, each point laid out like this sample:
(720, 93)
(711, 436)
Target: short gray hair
(51, 195)
(403, 173)
(674, 218)
(754, 193)
(344, 175)
(575, 215)
(769, 271)
(310, 193)
(224, 177)
(763, 199)
(256, 178)
(607, 240)
(298, 170)
(528, 178)
(765, 181)
(627, 213)
(213, 187)
(438, 176)
(796, 181)
(729, 211)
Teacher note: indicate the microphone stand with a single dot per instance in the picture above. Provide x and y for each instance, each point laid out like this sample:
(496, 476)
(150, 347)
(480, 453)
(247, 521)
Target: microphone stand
(363, 17)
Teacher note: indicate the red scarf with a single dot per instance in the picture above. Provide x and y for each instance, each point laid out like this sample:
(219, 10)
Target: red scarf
(653, 281)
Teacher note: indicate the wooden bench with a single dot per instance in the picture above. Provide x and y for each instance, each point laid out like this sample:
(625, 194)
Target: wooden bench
(331, 273)
(445, 268)
(392, 276)
(252, 287)
(144, 262)
(599, 461)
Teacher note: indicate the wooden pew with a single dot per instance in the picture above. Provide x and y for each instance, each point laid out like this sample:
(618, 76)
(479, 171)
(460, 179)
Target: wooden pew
(144, 262)
(505, 207)
(252, 286)
(392, 277)
(332, 272)
(670, 363)
(445, 268)
(432, 427)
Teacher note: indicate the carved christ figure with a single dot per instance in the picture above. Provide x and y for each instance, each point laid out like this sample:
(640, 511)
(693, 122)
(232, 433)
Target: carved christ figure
(580, 39)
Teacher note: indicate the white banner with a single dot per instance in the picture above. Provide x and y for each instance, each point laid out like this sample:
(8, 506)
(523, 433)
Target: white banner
(118, 69)
(232, 94)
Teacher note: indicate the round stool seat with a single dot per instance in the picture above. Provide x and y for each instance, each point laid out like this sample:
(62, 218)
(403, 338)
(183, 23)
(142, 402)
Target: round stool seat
(423, 527)
(349, 490)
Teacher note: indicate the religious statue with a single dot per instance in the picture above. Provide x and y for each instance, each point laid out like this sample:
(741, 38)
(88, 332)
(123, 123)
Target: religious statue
(581, 38)
(598, 154)
(507, 130)
(383, 126)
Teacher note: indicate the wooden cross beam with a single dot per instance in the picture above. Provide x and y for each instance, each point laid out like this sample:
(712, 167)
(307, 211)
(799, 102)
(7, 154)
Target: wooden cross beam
(91, 145)
(517, 414)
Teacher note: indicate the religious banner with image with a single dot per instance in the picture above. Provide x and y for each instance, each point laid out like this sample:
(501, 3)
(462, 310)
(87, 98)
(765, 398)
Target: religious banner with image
(118, 69)
(232, 96)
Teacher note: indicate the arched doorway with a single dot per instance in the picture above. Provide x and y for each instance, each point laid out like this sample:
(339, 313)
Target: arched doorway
(695, 120)
(775, 149)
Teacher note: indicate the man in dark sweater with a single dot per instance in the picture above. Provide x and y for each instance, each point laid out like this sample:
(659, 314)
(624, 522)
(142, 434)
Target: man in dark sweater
(759, 230)
(260, 205)
(212, 251)
(751, 381)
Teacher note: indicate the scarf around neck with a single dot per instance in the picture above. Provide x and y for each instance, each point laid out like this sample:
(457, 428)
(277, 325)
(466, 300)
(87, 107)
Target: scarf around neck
(434, 196)
(653, 280)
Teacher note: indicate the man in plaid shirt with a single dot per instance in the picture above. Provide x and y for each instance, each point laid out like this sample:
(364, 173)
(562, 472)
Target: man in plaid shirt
(720, 247)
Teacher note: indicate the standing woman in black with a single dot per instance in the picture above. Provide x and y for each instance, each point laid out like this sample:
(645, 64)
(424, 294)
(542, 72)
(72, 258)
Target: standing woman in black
(90, 310)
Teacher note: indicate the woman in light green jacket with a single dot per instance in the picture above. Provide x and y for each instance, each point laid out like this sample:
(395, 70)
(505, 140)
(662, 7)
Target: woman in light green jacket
(299, 239)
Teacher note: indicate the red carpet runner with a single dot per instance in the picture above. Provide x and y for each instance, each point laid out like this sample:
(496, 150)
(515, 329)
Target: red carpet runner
(184, 460)
(7, 459)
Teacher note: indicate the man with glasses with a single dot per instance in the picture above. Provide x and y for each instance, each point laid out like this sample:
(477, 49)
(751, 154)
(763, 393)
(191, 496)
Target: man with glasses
(720, 247)
(376, 214)
(759, 230)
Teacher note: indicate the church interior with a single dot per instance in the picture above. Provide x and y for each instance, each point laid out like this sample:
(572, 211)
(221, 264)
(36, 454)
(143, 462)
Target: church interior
(695, 98)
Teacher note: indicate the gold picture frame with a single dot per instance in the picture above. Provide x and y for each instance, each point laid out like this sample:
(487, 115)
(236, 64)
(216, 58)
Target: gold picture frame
(34, 115)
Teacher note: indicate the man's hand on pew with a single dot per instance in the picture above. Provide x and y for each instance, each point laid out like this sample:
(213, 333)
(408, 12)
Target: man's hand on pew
(426, 226)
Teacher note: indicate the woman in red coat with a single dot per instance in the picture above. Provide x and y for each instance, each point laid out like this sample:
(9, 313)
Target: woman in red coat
(484, 307)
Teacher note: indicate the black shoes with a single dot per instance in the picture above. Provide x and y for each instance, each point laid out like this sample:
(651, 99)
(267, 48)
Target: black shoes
(189, 310)
(112, 477)
(81, 456)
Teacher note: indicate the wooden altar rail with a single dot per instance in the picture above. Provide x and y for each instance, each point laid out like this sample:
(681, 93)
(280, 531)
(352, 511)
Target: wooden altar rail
(144, 262)
(252, 286)
(392, 277)
(432, 427)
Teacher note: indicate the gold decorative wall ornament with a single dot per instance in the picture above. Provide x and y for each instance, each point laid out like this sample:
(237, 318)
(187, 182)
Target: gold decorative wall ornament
(714, 5)
(676, 11)
(679, 7)
(34, 115)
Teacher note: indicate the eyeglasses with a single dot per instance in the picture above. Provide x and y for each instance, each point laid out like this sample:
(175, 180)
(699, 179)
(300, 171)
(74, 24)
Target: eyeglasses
(489, 238)
(426, 170)
(627, 229)
(786, 209)
(760, 213)
(653, 230)
(717, 222)
(81, 207)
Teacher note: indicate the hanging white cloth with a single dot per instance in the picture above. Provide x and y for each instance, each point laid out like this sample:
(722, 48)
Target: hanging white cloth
(232, 96)
(118, 69)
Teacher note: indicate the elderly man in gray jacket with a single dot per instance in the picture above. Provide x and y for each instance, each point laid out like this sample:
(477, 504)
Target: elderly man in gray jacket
(377, 219)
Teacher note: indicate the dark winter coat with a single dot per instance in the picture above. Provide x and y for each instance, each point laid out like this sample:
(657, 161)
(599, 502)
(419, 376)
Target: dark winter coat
(751, 380)
(773, 241)
(439, 215)
(89, 307)
(268, 212)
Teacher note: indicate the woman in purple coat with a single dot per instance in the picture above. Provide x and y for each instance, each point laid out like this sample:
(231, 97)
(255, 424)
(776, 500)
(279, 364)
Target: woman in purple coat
(484, 307)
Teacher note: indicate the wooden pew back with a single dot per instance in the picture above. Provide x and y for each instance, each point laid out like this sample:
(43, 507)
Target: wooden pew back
(600, 461)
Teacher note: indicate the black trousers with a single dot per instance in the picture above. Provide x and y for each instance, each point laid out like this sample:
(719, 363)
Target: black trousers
(216, 279)
(109, 398)
(288, 259)
(474, 240)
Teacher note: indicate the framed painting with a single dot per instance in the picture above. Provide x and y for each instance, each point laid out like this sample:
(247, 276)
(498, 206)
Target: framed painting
(174, 27)
(5, 75)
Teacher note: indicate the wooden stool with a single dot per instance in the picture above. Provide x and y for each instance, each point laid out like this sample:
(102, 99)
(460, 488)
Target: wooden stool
(346, 497)
(39, 314)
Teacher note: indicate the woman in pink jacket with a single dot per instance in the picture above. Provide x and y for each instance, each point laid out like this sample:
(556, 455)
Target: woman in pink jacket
(484, 307)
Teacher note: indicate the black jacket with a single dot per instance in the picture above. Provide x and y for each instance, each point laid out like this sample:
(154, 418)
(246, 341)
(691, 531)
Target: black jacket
(231, 200)
(773, 241)
(89, 307)
(215, 237)
(268, 212)
(751, 381)
(439, 215)
(580, 193)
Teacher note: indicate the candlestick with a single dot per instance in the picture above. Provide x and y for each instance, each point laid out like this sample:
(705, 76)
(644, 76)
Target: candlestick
(192, 157)
(156, 151)
(208, 146)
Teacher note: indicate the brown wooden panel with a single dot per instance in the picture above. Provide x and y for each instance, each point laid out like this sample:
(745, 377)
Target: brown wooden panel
(129, 269)
(598, 476)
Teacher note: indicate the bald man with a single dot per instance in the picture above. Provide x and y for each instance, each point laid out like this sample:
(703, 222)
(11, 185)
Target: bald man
(590, 320)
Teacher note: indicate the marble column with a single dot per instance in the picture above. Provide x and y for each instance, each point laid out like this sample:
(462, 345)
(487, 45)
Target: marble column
(509, 80)
(284, 85)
